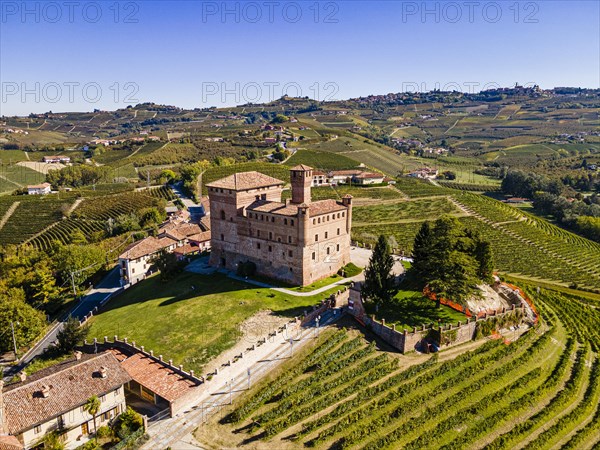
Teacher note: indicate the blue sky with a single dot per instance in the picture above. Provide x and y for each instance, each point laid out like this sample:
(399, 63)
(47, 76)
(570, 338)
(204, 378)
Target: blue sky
(109, 54)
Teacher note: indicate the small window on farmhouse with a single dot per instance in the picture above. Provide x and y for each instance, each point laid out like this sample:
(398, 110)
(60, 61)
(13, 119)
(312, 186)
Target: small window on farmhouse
(319, 220)
(37, 429)
(103, 398)
(343, 214)
(314, 221)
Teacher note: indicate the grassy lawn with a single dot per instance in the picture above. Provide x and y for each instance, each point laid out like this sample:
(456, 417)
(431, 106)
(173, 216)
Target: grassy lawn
(192, 318)
(411, 309)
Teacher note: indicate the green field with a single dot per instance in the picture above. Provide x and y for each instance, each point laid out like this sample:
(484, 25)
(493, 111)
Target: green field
(322, 160)
(540, 391)
(426, 209)
(192, 318)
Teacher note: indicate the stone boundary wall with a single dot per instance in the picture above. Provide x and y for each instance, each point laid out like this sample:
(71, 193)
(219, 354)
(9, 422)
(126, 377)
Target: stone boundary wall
(335, 300)
(407, 341)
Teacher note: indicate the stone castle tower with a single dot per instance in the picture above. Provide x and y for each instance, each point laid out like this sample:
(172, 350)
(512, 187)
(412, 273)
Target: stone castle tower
(301, 179)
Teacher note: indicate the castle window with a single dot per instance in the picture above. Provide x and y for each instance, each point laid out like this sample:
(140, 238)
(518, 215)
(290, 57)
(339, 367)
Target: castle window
(316, 238)
(270, 248)
(270, 235)
(326, 234)
(278, 239)
(314, 221)
(263, 196)
(222, 215)
(343, 214)
(337, 248)
(285, 221)
(314, 256)
(338, 231)
(273, 219)
(262, 217)
(328, 250)
(319, 220)
(258, 245)
(257, 233)
(289, 239)
(292, 222)
(291, 270)
(222, 237)
(290, 253)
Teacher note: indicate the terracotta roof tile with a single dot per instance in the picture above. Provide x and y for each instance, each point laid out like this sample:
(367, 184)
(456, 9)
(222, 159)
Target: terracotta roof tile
(245, 180)
(301, 167)
(314, 208)
(70, 386)
(146, 246)
(157, 377)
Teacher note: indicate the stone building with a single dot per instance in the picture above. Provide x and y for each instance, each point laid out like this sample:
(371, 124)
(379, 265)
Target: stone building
(297, 241)
(53, 399)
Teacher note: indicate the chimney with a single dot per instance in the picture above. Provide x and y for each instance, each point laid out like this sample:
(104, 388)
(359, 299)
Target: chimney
(78, 355)
(23, 376)
(45, 391)
(103, 372)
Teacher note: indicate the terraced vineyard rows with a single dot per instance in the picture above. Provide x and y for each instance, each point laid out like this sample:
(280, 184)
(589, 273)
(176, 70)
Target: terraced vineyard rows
(30, 217)
(113, 206)
(61, 232)
(531, 246)
(538, 392)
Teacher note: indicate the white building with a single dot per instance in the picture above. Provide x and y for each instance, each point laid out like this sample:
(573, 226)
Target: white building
(53, 399)
(39, 189)
(136, 261)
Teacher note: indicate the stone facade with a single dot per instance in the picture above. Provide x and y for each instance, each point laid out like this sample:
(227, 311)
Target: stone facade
(298, 241)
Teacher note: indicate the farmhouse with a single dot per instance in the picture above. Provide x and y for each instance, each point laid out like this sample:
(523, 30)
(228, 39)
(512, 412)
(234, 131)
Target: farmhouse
(57, 159)
(297, 241)
(39, 189)
(368, 178)
(180, 237)
(53, 399)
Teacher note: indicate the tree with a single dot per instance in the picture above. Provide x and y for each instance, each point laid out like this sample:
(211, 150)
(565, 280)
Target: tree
(167, 263)
(43, 289)
(52, 441)
(485, 260)
(92, 406)
(451, 259)
(379, 279)
(422, 247)
(28, 322)
(71, 335)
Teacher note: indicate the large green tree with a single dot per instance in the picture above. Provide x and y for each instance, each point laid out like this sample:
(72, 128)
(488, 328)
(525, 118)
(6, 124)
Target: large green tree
(379, 283)
(28, 322)
(71, 335)
(451, 259)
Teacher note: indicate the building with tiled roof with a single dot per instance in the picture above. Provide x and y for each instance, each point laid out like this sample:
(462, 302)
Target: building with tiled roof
(53, 399)
(136, 261)
(297, 241)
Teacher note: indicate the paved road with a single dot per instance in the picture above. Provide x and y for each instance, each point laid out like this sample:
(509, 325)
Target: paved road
(176, 432)
(107, 286)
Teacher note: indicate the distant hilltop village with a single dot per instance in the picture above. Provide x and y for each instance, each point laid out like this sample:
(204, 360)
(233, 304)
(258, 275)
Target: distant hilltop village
(297, 241)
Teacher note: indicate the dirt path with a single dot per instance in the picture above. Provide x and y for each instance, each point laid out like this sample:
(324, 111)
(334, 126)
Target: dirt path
(11, 181)
(8, 213)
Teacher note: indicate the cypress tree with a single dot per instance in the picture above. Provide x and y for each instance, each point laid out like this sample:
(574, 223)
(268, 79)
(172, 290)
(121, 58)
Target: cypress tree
(379, 279)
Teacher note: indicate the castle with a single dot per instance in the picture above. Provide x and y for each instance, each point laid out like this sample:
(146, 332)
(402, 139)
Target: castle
(297, 241)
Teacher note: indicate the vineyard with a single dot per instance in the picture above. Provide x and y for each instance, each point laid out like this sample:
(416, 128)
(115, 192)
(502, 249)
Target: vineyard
(101, 209)
(540, 391)
(31, 216)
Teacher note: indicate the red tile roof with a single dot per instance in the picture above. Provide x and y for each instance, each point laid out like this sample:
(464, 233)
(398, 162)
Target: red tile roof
(314, 208)
(156, 376)
(71, 384)
(147, 246)
(245, 180)
(301, 167)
